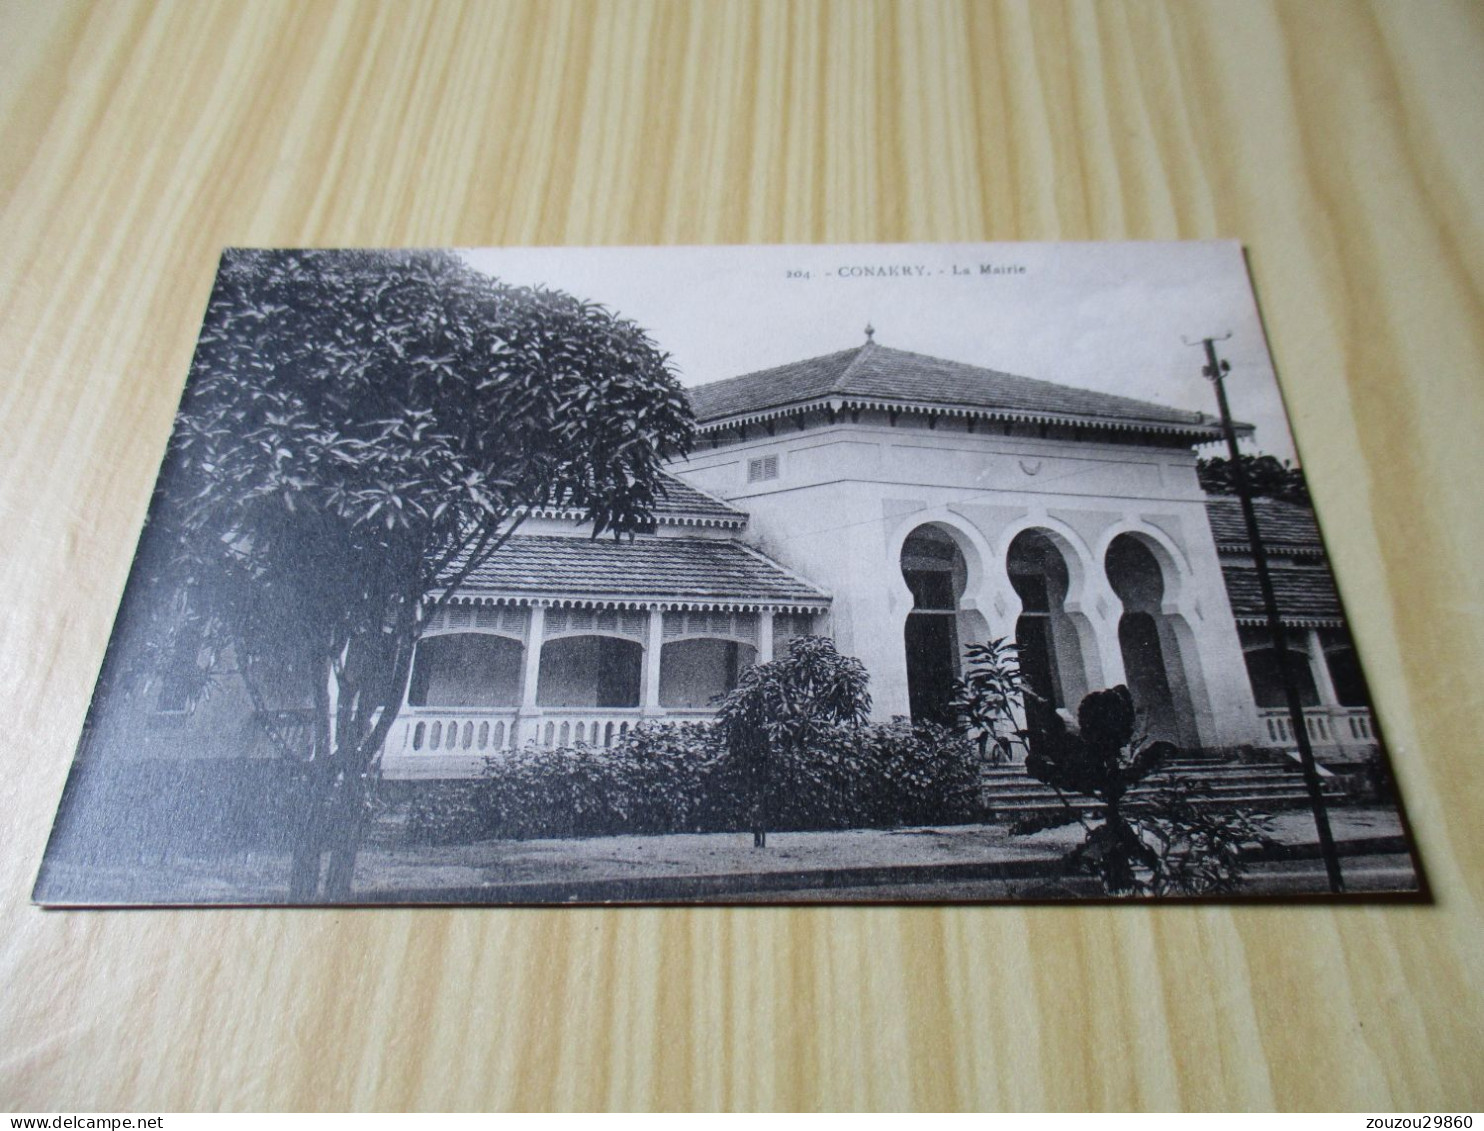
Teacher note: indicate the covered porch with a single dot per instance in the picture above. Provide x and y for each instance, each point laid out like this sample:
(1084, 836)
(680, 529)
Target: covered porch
(500, 669)
(1331, 689)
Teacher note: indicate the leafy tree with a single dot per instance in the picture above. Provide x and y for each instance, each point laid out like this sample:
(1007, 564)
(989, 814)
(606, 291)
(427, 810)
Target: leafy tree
(360, 432)
(1267, 476)
(785, 704)
(987, 701)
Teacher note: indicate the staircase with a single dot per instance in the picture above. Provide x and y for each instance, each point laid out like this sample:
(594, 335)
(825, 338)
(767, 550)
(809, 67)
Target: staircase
(1010, 794)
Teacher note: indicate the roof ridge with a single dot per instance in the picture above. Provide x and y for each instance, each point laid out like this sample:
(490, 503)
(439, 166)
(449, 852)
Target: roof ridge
(837, 384)
(1043, 383)
(756, 373)
(728, 504)
(776, 564)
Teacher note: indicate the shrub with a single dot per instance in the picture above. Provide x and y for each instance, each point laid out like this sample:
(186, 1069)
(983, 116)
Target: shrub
(435, 812)
(658, 779)
(683, 778)
(1368, 781)
(1199, 848)
(877, 776)
(784, 709)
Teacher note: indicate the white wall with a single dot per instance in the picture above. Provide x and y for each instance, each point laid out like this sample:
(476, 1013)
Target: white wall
(847, 496)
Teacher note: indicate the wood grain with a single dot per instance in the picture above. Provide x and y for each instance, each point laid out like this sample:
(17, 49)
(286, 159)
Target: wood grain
(1340, 141)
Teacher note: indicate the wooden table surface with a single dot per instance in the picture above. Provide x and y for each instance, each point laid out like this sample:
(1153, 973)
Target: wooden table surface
(1340, 141)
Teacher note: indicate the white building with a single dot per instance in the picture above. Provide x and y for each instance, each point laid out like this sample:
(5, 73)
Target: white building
(902, 504)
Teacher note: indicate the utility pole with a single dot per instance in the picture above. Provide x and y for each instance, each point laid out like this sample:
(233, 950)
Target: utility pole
(1216, 371)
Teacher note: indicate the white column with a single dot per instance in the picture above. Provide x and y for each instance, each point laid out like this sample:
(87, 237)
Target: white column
(765, 636)
(1103, 612)
(530, 674)
(1324, 683)
(653, 644)
(535, 632)
(1111, 670)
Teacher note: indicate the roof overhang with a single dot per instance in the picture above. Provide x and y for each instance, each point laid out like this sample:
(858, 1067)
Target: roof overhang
(637, 601)
(555, 571)
(1206, 431)
(577, 514)
(1292, 621)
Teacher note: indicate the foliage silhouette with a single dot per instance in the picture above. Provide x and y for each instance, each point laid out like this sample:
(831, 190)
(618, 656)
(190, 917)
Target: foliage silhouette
(1267, 476)
(1173, 839)
(360, 432)
(1102, 761)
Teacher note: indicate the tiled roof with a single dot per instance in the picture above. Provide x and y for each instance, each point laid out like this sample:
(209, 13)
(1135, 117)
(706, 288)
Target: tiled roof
(1302, 581)
(682, 501)
(678, 504)
(1284, 526)
(873, 372)
(1305, 594)
(678, 569)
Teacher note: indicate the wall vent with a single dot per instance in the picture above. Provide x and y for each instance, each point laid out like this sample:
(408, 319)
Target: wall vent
(760, 469)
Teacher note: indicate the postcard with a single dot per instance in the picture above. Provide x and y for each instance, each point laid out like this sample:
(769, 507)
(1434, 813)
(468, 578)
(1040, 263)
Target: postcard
(877, 573)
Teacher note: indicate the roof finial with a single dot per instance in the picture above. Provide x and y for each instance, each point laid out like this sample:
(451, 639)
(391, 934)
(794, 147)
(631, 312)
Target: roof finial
(870, 332)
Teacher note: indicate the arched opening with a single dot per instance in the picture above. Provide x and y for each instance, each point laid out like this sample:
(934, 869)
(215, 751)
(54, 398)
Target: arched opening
(1344, 668)
(936, 573)
(1266, 674)
(590, 671)
(695, 673)
(1151, 650)
(466, 669)
(1050, 645)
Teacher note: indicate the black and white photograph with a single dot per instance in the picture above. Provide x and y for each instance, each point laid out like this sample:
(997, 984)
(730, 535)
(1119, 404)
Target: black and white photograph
(765, 574)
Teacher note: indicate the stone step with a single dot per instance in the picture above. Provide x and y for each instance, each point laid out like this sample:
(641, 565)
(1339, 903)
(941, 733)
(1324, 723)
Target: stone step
(1225, 774)
(1265, 802)
(1222, 790)
(1049, 796)
(1010, 792)
(1227, 767)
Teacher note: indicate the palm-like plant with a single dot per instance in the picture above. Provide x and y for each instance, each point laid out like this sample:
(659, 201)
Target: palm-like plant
(1104, 759)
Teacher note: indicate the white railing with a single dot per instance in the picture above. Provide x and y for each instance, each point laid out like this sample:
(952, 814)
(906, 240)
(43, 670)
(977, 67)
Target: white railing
(471, 731)
(429, 730)
(1327, 726)
(597, 727)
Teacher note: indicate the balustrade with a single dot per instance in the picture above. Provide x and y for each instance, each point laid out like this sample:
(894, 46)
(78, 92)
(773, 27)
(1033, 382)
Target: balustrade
(1327, 726)
(451, 731)
(421, 731)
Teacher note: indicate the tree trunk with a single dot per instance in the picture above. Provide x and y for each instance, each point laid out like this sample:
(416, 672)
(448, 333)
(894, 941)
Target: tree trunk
(347, 827)
(319, 780)
(308, 836)
(304, 874)
(332, 819)
(759, 794)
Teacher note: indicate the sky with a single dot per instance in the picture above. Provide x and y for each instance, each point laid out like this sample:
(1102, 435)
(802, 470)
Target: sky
(1114, 317)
